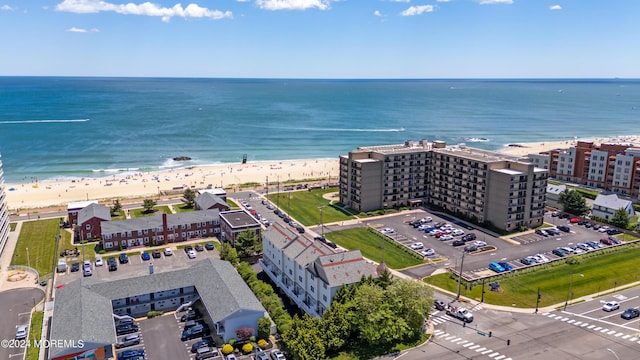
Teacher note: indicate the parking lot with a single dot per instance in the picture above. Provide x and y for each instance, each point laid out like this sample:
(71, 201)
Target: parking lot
(136, 266)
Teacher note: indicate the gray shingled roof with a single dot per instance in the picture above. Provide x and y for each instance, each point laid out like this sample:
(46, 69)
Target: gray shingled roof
(207, 200)
(611, 202)
(83, 307)
(153, 222)
(555, 189)
(94, 211)
(343, 268)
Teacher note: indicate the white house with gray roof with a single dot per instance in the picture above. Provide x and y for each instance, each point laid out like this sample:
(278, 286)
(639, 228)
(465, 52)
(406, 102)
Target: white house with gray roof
(309, 272)
(84, 309)
(605, 206)
(553, 195)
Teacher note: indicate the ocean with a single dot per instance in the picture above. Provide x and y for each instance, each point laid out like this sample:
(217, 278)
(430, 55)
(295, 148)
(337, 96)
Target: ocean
(68, 127)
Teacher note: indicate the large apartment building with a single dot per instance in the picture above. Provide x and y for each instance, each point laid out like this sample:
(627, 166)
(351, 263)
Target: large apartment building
(613, 167)
(480, 184)
(308, 271)
(4, 212)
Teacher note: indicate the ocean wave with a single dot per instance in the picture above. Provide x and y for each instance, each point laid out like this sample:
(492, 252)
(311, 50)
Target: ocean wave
(115, 170)
(336, 129)
(476, 139)
(43, 121)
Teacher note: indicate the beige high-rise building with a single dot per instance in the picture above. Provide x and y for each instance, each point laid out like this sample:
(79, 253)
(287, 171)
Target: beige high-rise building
(4, 212)
(481, 185)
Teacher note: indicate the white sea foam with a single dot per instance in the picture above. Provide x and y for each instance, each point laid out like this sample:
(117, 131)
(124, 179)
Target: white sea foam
(43, 121)
(115, 170)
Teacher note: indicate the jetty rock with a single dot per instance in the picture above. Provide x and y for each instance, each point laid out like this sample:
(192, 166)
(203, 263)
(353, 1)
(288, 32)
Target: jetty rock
(181, 158)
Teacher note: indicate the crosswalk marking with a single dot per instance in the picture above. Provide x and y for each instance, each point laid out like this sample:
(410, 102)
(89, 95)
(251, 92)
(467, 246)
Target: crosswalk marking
(571, 321)
(474, 347)
(633, 339)
(494, 355)
(486, 352)
(499, 357)
(467, 345)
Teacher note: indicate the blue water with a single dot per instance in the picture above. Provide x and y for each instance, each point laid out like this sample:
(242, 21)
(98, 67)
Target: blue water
(61, 127)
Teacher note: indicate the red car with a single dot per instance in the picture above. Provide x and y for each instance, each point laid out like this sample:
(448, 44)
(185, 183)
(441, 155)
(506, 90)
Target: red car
(607, 241)
(440, 233)
(574, 220)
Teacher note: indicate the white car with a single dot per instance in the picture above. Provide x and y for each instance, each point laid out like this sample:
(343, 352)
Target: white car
(457, 232)
(99, 261)
(479, 243)
(541, 258)
(191, 254)
(417, 246)
(603, 229)
(446, 227)
(21, 332)
(168, 252)
(387, 230)
(277, 355)
(610, 306)
(434, 232)
(425, 220)
(427, 252)
(446, 237)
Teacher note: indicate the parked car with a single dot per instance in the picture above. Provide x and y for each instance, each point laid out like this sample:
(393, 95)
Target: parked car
(191, 254)
(612, 231)
(594, 244)
(615, 240)
(457, 232)
(496, 267)
(479, 243)
(123, 258)
(540, 258)
(168, 252)
(506, 266)
(417, 246)
(439, 304)
(75, 266)
(131, 354)
(261, 355)
(205, 342)
(607, 241)
(584, 247)
(125, 321)
(469, 237)
(199, 247)
(194, 332)
(209, 246)
(156, 254)
(231, 357)
(21, 332)
(630, 314)
(129, 340)
(471, 248)
(560, 252)
(446, 237)
(86, 268)
(596, 227)
(427, 252)
(555, 214)
(191, 315)
(458, 242)
(564, 228)
(387, 230)
(145, 256)
(529, 260)
(426, 219)
(126, 329)
(603, 229)
(541, 232)
(552, 231)
(206, 352)
(574, 220)
(99, 261)
(188, 248)
(113, 265)
(277, 355)
(611, 306)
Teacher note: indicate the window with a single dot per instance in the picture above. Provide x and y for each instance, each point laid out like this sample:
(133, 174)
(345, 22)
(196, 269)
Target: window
(324, 297)
(312, 289)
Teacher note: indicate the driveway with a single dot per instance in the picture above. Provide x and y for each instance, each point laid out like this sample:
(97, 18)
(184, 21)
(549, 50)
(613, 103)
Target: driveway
(16, 305)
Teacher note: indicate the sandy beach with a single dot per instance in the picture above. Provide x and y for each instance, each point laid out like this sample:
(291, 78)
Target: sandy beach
(30, 195)
(524, 149)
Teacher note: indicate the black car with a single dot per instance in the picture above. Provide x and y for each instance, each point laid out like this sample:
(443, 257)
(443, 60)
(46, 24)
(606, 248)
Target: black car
(457, 242)
(300, 229)
(615, 241)
(596, 226)
(470, 248)
(588, 225)
(205, 342)
(123, 258)
(560, 252)
(156, 254)
(321, 239)
(564, 228)
(188, 248)
(526, 261)
(613, 232)
(113, 266)
(209, 246)
(332, 245)
(439, 304)
(126, 329)
(630, 314)
(469, 237)
(191, 315)
(194, 332)
(75, 267)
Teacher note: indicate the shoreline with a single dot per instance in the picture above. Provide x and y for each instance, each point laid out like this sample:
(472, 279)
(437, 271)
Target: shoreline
(35, 194)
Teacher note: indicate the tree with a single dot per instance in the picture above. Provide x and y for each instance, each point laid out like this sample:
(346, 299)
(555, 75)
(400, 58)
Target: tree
(375, 317)
(337, 326)
(264, 328)
(620, 219)
(411, 301)
(304, 338)
(247, 243)
(229, 253)
(189, 198)
(117, 207)
(573, 202)
(148, 205)
(384, 279)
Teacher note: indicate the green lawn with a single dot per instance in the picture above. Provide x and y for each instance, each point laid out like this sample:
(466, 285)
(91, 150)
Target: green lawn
(12, 226)
(180, 208)
(35, 330)
(304, 206)
(602, 270)
(39, 237)
(370, 244)
(138, 213)
(118, 216)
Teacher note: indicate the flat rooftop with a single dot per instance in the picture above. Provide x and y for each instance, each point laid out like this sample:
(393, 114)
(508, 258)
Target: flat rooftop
(239, 219)
(479, 154)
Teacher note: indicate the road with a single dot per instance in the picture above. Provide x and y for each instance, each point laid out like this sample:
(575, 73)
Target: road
(16, 305)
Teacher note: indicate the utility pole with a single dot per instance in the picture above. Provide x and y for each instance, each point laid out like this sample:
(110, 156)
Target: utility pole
(460, 276)
(538, 300)
(321, 222)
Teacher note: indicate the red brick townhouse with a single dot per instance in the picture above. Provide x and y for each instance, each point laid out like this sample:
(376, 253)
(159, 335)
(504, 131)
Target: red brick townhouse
(88, 220)
(160, 229)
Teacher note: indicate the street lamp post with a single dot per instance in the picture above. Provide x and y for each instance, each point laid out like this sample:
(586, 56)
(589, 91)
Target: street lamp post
(460, 277)
(569, 291)
(321, 222)
(28, 260)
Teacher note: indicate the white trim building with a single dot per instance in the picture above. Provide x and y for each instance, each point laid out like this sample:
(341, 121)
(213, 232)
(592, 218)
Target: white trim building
(605, 206)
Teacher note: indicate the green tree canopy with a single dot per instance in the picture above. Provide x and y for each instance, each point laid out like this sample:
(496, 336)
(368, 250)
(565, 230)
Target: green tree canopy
(248, 243)
(117, 207)
(229, 254)
(573, 202)
(148, 205)
(304, 338)
(189, 198)
(620, 219)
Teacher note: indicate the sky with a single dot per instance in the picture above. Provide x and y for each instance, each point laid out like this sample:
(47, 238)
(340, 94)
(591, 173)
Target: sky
(321, 38)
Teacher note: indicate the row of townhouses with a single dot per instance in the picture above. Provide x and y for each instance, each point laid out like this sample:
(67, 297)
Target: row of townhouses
(308, 271)
(612, 167)
(483, 185)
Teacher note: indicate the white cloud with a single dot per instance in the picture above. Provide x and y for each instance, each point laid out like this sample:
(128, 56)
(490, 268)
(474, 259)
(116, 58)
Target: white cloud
(293, 4)
(417, 10)
(6, 8)
(144, 9)
(555, 7)
(491, 2)
(377, 13)
(443, 0)
(80, 30)
(400, 0)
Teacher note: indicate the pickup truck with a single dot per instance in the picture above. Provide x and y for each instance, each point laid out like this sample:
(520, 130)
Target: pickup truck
(460, 313)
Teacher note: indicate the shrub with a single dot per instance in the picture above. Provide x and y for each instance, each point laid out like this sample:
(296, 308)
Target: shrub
(247, 348)
(244, 332)
(232, 342)
(227, 349)
(151, 314)
(262, 343)
(102, 251)
(264, 329)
